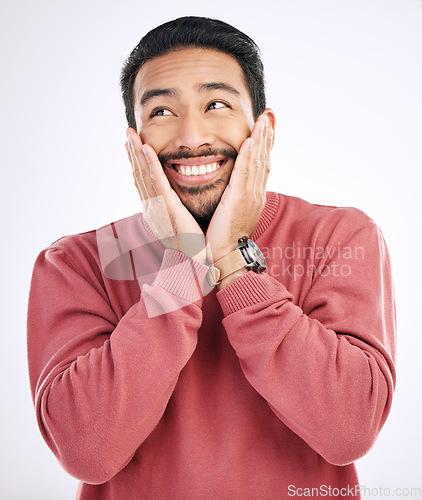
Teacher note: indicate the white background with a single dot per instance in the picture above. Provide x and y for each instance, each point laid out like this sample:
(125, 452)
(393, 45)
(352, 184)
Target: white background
(345, 80)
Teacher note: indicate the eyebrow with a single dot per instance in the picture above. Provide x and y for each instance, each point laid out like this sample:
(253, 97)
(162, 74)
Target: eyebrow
(218, 86)
(150, 94)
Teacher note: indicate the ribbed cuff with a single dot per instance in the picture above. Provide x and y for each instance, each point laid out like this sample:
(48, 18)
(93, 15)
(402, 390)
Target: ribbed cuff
(248, 290)
(181, 275)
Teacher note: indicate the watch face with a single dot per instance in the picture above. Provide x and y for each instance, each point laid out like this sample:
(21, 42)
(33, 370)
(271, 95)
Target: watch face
(256, 255)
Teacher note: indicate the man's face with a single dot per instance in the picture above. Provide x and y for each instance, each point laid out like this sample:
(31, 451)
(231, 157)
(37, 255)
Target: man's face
(193, 107)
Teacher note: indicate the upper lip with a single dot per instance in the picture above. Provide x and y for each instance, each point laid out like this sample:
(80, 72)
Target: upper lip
(197, 160)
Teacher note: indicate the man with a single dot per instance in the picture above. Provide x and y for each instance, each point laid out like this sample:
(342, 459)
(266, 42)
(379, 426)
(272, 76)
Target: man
(168, 358)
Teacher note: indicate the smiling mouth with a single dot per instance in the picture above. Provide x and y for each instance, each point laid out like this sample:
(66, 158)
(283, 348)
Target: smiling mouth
(195, 170)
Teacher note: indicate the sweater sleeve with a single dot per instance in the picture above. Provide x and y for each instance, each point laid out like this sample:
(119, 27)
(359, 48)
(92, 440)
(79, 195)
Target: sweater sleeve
(101, 385)
(326, 367)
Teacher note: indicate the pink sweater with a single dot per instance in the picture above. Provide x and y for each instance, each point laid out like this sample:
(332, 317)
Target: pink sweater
(278, 382)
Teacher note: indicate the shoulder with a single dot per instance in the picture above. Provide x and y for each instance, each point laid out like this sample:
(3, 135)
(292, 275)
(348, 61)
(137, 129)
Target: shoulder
(91, 250)
(301, 223)
(298, 215)
(302, 210)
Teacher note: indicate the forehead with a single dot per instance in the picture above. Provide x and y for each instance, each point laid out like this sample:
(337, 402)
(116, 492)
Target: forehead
(185, 68)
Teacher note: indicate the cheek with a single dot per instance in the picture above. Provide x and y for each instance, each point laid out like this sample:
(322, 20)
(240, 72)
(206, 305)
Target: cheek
(234, 134)
(156, 137)
(152, 135)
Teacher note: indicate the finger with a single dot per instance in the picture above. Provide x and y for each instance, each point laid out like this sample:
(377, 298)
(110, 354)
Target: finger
(257, 159)
(166, 200)
(140, 165)
(241, 175)
(158, 177)
(267, 166)
(154, 207)
(139, 184)
(136, 170)
(263, 161)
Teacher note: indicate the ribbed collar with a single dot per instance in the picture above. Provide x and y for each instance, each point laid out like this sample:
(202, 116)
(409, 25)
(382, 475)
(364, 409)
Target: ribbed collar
(268, 214)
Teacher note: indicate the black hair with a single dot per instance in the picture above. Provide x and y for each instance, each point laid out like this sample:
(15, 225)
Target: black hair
(203, 32)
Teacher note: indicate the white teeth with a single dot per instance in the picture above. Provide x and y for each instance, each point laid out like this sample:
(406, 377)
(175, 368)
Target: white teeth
(198, 169)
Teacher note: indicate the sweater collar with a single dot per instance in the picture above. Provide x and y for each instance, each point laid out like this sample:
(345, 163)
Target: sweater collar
(268, 214)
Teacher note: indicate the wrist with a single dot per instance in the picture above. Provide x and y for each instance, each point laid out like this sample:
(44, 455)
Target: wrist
(200, 257)
(247, 256)
(231, 277)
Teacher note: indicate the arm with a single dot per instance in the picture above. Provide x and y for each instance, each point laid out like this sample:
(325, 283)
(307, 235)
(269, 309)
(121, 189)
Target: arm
(326, 367)
(100, 384)
(101, 380)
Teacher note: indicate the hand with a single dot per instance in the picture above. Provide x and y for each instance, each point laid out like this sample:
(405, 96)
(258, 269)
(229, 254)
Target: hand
(243, 200)
(167, 217)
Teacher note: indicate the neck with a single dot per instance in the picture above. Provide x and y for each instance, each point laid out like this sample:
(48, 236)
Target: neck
(204, 226)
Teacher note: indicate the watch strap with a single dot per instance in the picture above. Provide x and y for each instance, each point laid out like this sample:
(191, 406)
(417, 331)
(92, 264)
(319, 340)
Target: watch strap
(225, 266)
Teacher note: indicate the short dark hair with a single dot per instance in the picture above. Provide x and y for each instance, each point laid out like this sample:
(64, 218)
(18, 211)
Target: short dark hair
(192, 31)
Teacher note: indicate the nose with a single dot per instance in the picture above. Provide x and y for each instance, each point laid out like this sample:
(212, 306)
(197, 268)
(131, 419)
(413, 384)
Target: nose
(193, 132)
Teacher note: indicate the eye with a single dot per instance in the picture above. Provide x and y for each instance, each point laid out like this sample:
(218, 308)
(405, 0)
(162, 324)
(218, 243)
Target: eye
(160, 112)
(217, 105)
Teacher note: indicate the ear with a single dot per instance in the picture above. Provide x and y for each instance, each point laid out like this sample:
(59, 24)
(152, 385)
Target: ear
(271, 117)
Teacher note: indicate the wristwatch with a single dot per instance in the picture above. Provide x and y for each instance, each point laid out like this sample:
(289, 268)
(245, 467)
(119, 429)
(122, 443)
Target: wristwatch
(247, 254)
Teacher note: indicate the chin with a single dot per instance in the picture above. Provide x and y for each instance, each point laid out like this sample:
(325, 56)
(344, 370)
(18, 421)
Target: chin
(200, 202)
